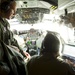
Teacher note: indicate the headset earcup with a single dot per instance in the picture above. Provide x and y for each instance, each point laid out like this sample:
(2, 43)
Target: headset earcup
(5, 6)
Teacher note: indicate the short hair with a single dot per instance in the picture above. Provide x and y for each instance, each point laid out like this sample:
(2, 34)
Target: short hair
(50, 44)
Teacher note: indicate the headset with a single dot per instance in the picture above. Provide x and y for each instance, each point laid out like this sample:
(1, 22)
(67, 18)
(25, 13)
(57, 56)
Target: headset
(5, 6)
(50, 43)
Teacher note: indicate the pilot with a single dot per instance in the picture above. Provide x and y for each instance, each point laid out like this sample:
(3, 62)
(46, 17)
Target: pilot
(8, 11)
(48, 63)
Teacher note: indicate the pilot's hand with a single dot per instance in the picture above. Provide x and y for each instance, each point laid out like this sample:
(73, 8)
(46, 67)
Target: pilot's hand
(27, 54)
(70, 62)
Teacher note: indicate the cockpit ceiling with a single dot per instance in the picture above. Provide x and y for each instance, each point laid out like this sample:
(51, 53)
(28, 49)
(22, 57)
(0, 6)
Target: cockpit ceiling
(36, 3)
(31, 4)
(53, 2)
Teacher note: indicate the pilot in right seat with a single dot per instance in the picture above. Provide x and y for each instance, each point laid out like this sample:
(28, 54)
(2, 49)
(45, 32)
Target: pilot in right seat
(48, 63)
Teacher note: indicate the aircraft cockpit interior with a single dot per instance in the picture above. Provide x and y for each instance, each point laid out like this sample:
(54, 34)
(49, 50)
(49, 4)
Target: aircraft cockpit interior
(34, 18)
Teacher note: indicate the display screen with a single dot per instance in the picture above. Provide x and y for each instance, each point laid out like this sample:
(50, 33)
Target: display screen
(69, 50)
(33, 42)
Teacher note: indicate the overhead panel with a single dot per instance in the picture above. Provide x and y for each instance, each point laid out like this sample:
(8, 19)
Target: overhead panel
(32, 3)
(26, 4)
(32, 11)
